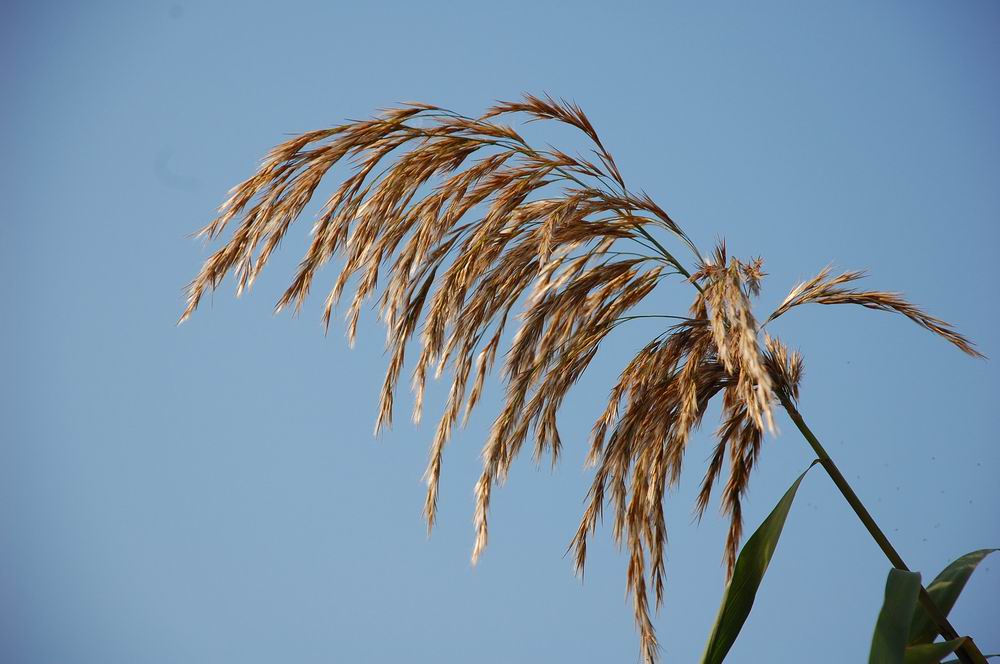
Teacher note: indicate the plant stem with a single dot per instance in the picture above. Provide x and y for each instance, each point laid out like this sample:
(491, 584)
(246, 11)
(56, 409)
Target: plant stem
(968, 653)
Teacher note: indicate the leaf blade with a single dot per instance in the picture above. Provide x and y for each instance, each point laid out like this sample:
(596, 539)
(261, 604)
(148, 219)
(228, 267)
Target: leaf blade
(931, 653)
(747, 576)
(944, 590)
(955, 661)
(892, 628)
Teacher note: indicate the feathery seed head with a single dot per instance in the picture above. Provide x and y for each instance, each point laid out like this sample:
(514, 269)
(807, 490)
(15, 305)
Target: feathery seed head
(469, 222)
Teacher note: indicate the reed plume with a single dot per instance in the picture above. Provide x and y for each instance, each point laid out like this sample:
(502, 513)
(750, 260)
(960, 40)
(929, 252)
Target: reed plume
(453, 223)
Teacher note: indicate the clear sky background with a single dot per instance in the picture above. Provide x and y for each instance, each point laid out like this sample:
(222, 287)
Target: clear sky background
(212, 493)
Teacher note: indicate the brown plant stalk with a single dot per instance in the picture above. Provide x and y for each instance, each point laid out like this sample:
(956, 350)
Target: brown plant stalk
(456, 225)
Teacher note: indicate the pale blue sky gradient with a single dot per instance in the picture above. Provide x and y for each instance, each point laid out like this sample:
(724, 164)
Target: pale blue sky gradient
(212, 493)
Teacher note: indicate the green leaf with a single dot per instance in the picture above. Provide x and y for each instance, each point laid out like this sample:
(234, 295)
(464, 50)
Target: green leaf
(944, 590)
(747, 575)
(893, 625)
(931, 653)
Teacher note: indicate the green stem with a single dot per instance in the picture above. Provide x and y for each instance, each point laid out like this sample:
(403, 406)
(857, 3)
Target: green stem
(968, 653)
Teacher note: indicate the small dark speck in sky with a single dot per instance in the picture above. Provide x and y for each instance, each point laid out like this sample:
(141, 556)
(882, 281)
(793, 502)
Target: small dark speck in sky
(166, 175)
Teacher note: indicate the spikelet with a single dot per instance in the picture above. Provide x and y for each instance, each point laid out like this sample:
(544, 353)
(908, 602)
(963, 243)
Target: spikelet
(824, 289)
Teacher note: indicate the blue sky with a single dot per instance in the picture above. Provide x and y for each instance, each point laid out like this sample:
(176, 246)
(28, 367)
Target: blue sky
(212, 493)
